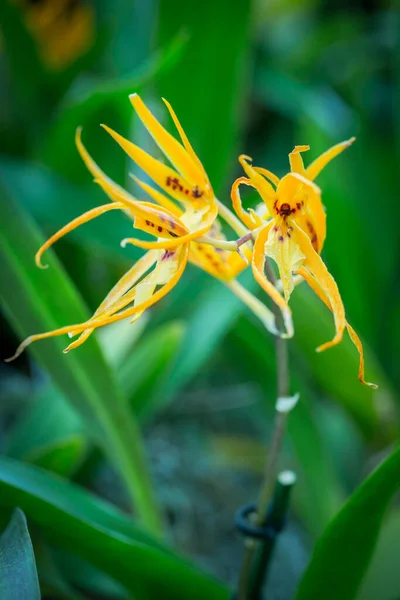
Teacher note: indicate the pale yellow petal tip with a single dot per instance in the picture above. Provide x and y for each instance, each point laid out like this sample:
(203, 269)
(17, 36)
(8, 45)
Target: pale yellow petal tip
(373, 386)
(19, 350)
(243, 158)
(39, 264)
(298, 149)
(134, 99)
(350, 141)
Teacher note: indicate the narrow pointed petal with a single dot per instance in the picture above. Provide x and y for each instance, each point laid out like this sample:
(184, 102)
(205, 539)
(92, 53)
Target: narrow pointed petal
(158, 196)
(296, 160)
(176, 153)
(168, 179)
(252, 221)
(106, 318)
(184, 139)
(258, 263)
(112, 189)
(318, 269)
(87, 216)
(120, 288)
(178, 240)
(149, 217)
(175, 276)
(268, 174)
(319, 163)
(263, 186)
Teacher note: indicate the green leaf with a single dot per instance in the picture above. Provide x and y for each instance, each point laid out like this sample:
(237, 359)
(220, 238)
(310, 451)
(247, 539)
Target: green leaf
(383, 577)
(207, 87)
(18, 577)
(343, 552)
(78, 522)
(50, 433)
(37, 300)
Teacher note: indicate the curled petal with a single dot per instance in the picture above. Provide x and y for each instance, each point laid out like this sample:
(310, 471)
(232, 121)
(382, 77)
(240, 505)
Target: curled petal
(263, 186)
(87, 216)
(251, 220)
(317, 268)
(314, 285)
(296, 161)
(106, 317)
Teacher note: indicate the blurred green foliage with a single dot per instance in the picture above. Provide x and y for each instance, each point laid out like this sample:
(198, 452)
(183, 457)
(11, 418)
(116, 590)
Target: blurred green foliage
(243, 77)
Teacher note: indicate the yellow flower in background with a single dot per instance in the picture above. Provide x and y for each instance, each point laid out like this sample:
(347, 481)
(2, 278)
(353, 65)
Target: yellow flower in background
(180, 222)
(64, 30)
(291, 230)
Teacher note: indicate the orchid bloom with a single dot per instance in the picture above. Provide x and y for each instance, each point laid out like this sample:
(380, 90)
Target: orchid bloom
(291, 230)
(180, 223)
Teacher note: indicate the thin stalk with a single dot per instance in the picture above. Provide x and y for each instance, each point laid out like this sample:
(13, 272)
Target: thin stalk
(271, 465)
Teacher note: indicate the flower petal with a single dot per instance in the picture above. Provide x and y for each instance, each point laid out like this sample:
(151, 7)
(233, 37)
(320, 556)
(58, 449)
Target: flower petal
(263, 186)
(158, 196)
(282, 247)
(296, 161)
(176, 153)
(258, 263)
(106, 318)
(268, 174)
(206, 224)
(317, 268)
(147, 216)
(252, 220)
(319, 163)
(168, 179)
(184, 139)
(87, 216)
(314, 285)
(120, 288)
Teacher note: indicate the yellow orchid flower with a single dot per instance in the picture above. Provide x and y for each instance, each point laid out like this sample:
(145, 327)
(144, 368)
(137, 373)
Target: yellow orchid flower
(291, 230)
(181, 230)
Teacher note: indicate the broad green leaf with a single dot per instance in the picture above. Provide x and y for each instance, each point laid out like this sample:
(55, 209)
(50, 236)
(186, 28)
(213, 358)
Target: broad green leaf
(18, 577)
(37, 300)
(383, 578)
(50, 433)
(207, 87)
(342, 554)
(78, 522)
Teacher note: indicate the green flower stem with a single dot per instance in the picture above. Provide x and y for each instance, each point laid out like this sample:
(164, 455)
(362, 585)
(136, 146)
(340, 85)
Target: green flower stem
(271, 465)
